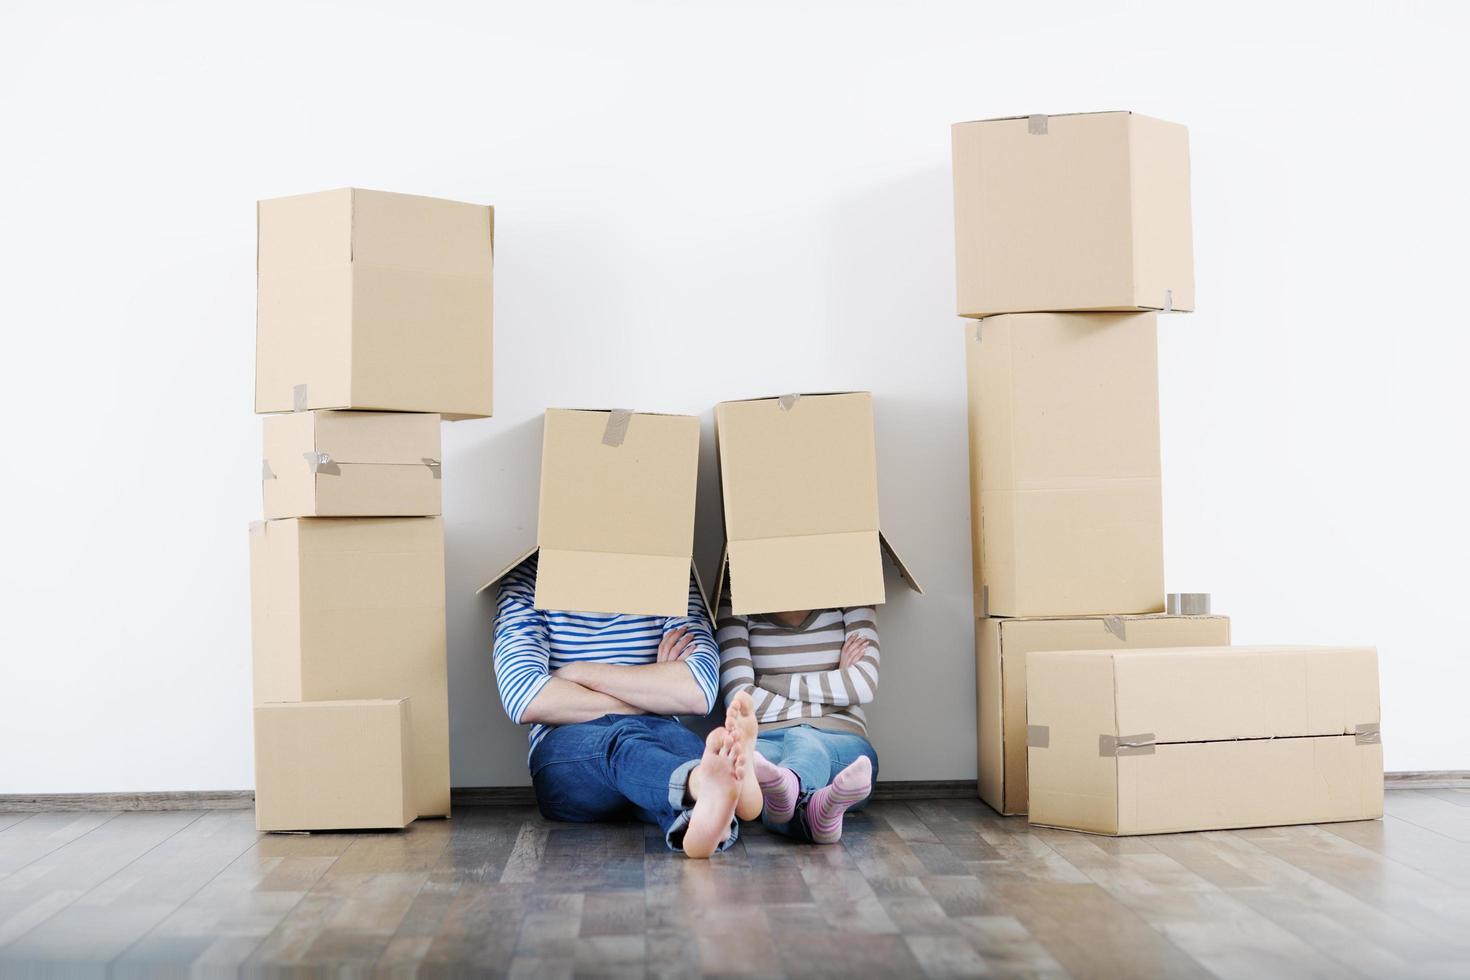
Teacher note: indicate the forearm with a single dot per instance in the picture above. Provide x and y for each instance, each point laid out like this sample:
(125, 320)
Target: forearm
(666, 688)
(563, 702)
(840, 687)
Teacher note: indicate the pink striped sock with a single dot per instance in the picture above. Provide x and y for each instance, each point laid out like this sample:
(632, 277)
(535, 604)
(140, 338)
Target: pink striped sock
(825, 809)
(779, 786)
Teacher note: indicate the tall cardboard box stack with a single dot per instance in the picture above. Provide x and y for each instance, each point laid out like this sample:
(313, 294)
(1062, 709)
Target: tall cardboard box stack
(373, 324)
(1072, 233)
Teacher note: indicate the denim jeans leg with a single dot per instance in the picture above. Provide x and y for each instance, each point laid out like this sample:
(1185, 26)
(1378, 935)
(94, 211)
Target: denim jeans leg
(649, 759)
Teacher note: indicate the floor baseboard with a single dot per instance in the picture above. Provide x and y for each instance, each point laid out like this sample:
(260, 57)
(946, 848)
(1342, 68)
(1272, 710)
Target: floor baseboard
(244, 799)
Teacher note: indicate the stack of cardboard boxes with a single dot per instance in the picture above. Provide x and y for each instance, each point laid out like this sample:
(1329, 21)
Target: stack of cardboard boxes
(373, 324)
(1072, 233)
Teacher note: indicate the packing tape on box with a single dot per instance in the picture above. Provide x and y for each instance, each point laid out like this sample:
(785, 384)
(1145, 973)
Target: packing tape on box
(1116, 626)
(1171, 604)
(1109, 746)
(1036, 124)
(322, 464)
(298, 398)
(1038, 736)
(617, 427)
(978, 336)
(1194, 603)
(984, 602)
(436, 468)
(1367, 734)
(787, 402)
(266, 473)
(1168, 301)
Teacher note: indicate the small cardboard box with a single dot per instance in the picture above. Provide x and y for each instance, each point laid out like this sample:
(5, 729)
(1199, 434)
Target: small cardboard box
(353, 607)
(1203, 738)
(799, 477)
(1065, 492)
(373, 300)
(616, 525)
(1088, 211)
(333, 765)
(1001, 646)
(351, 464)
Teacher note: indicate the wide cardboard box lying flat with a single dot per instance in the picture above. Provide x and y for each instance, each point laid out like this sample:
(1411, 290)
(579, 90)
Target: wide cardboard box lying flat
(1001, 646)
(334, 765)
(616, 524)
(1066, 504)
(353, 607)
(1088, 211)
(1203, 738)
(375, 301)
(799, 477)
(351, 464)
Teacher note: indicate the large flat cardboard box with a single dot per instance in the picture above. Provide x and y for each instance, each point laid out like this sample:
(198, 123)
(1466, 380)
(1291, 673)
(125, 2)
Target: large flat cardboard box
(373, 300)
(351, 464)
(616, 525)
(799, 478)
(353, 607)
(1065, 493)
(1203, 738)
(1088, 211)
(1001, 646)
(334, 765)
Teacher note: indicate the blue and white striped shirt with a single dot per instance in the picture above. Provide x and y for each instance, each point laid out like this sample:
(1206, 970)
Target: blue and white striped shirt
(530, 643)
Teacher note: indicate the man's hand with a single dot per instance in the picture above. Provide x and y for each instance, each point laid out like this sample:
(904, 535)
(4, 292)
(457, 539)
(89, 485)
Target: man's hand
(674, 645)
(852, 651)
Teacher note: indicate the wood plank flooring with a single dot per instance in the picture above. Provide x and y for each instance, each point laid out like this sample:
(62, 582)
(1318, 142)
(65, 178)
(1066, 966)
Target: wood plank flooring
(917, 887)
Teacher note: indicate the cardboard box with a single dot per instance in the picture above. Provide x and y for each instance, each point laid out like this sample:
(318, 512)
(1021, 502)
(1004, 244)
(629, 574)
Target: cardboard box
(1203, 738)
(353, 607)
(1001, 646)
(1088, 211)
(351, 464)
(616, 525)
(1065, 493)
(333, 765)
(799, 477)
(374, 301)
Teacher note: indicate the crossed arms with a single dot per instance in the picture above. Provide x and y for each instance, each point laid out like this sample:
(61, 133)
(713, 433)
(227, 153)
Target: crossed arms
(785, 696)
(582, 691)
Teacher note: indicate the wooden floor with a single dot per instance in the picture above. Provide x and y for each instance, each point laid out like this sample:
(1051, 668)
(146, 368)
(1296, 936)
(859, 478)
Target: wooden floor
(936, 888)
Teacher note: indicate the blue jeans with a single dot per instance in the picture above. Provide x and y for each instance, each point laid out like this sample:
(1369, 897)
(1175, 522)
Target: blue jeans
(815, 755)
(617, 767)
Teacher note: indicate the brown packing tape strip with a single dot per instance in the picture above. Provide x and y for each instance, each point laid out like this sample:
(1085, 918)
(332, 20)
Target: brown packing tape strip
(1116, 626)
(617, 427)
(1038, 736)
(1037, 124)
(1367, 734)
(321, 464)
(787, 402)
(298, 398)
(984, 602)
(1109, 746)
(266, 473)
(436, 468)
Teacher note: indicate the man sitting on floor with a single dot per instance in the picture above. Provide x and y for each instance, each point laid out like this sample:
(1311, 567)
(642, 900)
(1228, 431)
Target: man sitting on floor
(600, 690)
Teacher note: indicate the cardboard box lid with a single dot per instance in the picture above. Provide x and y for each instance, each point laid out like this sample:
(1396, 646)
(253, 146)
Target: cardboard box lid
(616, 525)
(327, 436)
(350, 224)
(799, 481)
(1253, 692)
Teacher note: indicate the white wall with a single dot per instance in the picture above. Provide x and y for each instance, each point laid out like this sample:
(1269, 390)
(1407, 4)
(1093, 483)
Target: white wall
(697, 202)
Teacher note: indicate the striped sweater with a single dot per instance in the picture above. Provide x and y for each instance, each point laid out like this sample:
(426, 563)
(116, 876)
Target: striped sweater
(530, 643)
(792, 672)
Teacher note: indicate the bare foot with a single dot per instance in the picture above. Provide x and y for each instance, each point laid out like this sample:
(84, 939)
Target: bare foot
(715, 786)
(740, 720)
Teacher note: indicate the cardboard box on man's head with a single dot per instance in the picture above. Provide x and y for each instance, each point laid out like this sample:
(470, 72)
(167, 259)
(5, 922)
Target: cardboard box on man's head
(616, 526)
(371, 300)
(799, 478)
(1085, 211)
